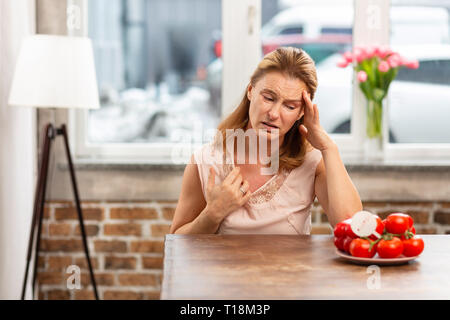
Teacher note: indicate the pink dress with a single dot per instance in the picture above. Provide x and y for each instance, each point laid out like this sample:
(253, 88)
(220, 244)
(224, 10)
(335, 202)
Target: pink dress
(281, 206)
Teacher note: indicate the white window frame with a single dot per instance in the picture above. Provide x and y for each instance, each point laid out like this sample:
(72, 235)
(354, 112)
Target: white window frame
(242, 51)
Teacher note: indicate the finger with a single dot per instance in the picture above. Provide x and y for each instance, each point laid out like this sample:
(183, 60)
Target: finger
(237, 182)
(307, 97)
(309, 109)
(316, 113)
(303, 130)
(211, 178)
(246, 197)
(245, 186)
(305, 107)
(232, 175)
(313, 112)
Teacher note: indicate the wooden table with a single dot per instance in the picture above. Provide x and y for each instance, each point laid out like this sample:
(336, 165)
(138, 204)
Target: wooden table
(294, 267)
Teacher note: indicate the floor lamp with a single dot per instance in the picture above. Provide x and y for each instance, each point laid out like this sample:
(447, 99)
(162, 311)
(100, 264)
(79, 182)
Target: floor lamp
(54, 72)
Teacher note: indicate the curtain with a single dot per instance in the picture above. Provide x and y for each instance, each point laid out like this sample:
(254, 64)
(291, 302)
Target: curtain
(17, 152)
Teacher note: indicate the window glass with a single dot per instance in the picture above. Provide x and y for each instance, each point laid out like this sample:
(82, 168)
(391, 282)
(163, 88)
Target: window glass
(156, 70)
(293, 30)
(430, 71)
(336, 30)
(419, 99)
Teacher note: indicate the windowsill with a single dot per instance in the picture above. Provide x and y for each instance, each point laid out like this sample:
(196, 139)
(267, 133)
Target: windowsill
(352, 165)
(397, 166)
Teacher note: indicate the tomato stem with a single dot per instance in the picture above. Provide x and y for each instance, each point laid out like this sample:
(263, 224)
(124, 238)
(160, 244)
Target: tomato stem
(372, 243)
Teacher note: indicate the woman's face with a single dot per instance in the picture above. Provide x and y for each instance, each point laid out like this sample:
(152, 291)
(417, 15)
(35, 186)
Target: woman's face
(275, 103)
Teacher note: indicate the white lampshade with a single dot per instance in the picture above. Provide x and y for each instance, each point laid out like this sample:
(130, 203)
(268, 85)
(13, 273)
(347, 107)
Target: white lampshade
(55, 72)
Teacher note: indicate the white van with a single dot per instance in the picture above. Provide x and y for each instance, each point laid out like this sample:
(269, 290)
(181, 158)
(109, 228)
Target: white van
(406, 23)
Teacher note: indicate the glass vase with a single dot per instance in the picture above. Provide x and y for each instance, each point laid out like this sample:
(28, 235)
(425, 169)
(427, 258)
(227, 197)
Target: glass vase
(373, 145)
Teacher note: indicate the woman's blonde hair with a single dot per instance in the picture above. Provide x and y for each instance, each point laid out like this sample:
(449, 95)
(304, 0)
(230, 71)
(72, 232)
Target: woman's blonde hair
(292, 62)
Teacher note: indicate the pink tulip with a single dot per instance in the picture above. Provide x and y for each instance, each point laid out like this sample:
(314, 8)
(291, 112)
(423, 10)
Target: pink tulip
(402, 61)
(370, 52)
(342, 63)
(362, 76)
(382, 51)
(377, 50)
(412, 64)
(359, 53)
(383, 66)
(394, 60)
(348, 56)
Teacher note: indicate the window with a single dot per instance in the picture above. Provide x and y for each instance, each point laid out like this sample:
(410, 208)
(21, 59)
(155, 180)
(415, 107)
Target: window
(419, 101)
(161, 73)
(155, 70)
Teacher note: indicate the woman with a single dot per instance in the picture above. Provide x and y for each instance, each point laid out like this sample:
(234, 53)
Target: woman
(234, 197)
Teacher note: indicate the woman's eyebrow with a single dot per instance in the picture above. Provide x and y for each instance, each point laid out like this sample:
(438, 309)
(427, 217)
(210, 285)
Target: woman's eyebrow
(275, 94)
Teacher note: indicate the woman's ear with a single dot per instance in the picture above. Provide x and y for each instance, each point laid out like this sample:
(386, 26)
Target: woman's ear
(249, 92)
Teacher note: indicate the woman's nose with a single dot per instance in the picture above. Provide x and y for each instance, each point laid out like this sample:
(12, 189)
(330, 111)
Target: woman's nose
(274, 112)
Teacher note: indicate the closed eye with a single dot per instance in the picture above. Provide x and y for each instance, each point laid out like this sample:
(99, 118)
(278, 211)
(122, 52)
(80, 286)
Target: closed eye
(268, 98)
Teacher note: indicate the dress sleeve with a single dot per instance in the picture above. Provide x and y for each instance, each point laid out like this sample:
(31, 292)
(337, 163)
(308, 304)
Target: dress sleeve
(303, 177)
(316, 157)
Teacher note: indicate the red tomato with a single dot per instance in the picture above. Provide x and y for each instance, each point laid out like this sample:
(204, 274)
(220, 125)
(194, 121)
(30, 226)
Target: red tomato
(339, 243)
(407, 216)
(412, 230)
(390, 248)
(410, 220)
(348, 230)
(379, 229)
(360, 248)
(347, 241)
(413, 247)
(398, 223)
(339, 230)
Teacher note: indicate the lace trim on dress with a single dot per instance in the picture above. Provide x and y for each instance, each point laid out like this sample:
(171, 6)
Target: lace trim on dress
(268, 190)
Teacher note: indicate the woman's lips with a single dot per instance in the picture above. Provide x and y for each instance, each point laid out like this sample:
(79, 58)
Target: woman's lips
(269, 126)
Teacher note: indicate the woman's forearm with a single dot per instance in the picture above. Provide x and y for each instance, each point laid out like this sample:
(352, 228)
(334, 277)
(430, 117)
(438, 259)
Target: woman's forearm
(343, 198)
(204, 223)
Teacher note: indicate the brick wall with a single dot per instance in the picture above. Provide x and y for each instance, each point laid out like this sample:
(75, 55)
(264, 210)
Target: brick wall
(126, 244)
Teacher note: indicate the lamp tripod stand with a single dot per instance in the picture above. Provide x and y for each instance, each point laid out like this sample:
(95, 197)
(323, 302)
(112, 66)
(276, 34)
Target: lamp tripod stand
(50, 134)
